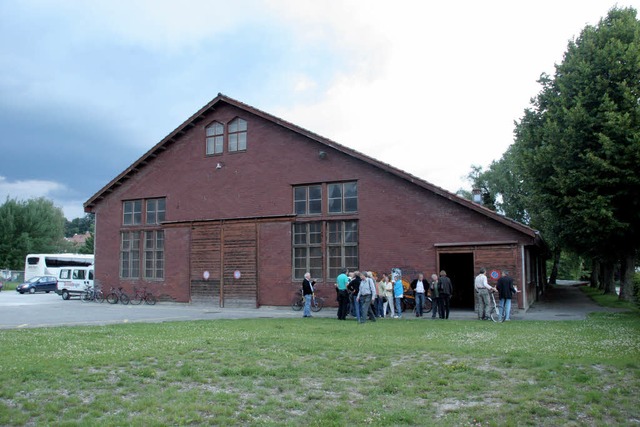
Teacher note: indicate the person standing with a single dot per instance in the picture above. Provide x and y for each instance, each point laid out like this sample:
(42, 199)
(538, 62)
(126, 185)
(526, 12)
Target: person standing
(343, 295)
(419, 290)
(445, 291)
(365, 294)
(354, 288)
(307, 292)
(388, 294)
(483, 288)
(382, 305)
(398, 294)
(506, 291)
(435, 297)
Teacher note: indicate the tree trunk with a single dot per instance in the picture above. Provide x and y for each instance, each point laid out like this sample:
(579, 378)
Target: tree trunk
(595, 273)
(554, 269)
(627, 272)
(608, 284)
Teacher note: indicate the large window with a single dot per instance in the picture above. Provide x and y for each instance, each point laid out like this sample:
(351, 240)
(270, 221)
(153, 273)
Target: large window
(307, 249)
(142, 249)
(215, 138)
(154, 254)
(342, 246)
(307, 200)
(341, 240)
(130, 255)
(132, 212)
(156, 209)
(343, 197)
(237, 134)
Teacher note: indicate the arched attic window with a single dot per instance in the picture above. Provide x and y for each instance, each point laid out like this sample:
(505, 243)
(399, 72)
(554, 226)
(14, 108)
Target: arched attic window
(215, 138)
(237, 134)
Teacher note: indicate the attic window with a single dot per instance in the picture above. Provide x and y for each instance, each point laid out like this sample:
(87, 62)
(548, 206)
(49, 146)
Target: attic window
(237, 134)
(215, 138)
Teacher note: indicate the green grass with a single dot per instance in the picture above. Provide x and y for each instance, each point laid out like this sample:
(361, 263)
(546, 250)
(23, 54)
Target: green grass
(324, 372)
(10, 286)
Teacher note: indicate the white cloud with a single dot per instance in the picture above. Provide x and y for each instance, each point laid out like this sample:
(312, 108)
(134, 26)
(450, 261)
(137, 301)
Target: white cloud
(433, 88)
(32, 189)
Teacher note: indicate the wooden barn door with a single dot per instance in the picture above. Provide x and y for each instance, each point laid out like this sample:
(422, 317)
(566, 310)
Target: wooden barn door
(239, 264)
(224, 264)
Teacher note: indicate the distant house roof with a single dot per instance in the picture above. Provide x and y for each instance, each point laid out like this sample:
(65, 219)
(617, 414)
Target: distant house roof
(192, 121)
(78, 239)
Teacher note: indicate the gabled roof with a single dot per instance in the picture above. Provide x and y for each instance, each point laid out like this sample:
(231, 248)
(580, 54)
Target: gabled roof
(192, 121)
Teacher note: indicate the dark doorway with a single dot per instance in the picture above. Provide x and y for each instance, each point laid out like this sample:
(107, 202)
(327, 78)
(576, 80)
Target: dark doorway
(459, 268)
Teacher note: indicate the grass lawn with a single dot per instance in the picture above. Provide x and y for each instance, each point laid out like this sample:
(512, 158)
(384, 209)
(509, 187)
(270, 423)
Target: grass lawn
(325, 372)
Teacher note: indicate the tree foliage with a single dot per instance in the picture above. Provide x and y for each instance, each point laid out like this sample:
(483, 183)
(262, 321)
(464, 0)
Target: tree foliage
(79, 225)
(35, 225)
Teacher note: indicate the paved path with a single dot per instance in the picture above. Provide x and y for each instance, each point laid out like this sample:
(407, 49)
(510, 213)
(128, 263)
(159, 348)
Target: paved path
(27, 311)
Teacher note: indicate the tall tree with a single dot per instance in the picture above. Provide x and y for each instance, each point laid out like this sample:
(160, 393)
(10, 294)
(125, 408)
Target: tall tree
(35, 225)
(579, 145)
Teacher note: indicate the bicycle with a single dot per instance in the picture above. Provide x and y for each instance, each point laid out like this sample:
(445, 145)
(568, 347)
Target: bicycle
(117, 295)
(494, 311)
(298, 301)
(91, 294)
(142, 295)
(408, 301)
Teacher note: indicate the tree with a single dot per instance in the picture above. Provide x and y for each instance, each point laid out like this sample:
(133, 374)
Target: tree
(35, 225)
(79, 225)
(578, 147)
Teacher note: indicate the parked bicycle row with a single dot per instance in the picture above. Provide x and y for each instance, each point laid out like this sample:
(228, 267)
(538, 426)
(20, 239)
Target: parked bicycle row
(117, 295)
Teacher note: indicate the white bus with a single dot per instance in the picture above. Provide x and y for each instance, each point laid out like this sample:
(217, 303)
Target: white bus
(50, 264)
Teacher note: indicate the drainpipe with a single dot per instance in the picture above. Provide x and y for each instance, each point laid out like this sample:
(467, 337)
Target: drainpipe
(524, 278)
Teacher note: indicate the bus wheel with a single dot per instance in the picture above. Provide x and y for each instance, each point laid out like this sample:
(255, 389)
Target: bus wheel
(65, 295)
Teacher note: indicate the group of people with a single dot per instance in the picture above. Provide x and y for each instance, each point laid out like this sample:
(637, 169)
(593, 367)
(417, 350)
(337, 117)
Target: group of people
(358, 294)
(370, 300)
(505, 290)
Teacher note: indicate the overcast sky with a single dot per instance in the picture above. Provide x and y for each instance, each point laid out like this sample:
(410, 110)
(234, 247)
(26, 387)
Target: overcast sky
(86, 87)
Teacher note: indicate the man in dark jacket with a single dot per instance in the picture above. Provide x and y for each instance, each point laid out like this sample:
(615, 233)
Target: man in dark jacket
(506, 290)
(445, 288)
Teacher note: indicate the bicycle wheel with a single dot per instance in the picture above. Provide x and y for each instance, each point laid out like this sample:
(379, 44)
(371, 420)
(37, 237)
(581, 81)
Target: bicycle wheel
(112, 298)
(124, 298)
(317, 304)
(137, 299)
(428, 305)
(297, 304)
(85, 296)
(99, 297)
(150, 299)
(495, 315)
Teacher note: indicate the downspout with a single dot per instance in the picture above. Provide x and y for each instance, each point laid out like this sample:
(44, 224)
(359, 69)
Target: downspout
(524, 278)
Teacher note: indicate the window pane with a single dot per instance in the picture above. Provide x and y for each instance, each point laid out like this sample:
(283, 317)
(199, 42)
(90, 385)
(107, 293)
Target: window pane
(335, 205)
(351, 232)
(351, 205)
(335, 232)
(335, 191)
(242, 141)
(300, 200)
(350, 189)
(233, 142)
(315, 233)
(315, 199)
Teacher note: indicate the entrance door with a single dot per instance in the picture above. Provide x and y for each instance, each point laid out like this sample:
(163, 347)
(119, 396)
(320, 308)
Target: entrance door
(459, 268)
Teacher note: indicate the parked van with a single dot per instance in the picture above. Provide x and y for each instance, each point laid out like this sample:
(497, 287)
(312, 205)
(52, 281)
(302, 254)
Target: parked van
(72, 281)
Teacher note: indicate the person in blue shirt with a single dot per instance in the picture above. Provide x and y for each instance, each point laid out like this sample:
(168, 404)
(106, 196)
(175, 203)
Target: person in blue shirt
(343, 295)
(398, 293)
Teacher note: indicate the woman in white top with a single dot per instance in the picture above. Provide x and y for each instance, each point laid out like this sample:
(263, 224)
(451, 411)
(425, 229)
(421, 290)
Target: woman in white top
(388, 296)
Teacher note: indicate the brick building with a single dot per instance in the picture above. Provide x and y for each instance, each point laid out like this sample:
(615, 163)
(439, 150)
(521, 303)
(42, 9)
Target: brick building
(235, 205)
